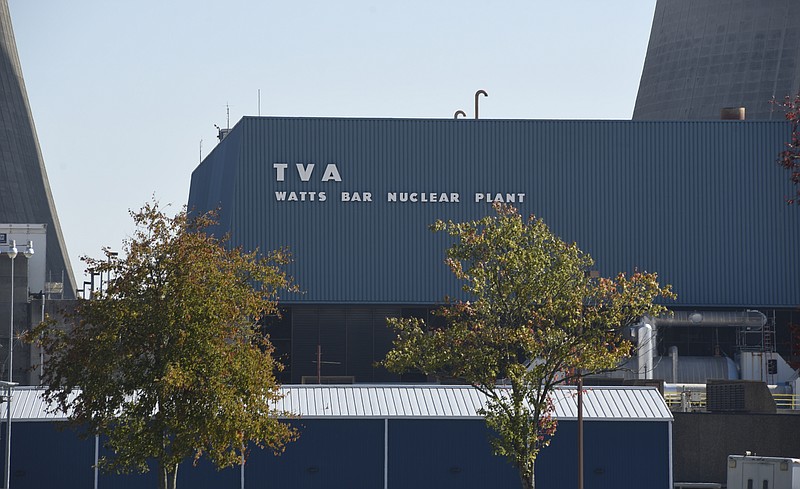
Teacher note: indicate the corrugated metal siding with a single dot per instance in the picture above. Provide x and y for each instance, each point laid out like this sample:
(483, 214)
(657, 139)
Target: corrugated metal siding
(634, 455)
(701, 203)
(440, 453)
(349, 453)
(423, 401)
(219, 167)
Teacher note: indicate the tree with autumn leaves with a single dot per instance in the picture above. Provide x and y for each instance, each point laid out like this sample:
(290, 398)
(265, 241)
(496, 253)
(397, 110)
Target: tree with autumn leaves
(789, 157)
(535, 319)
(168, 361)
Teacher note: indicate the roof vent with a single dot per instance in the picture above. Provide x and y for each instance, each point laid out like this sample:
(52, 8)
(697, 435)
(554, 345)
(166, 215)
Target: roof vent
(732, 114)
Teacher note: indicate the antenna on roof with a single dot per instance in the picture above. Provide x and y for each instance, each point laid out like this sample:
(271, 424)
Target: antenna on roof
(259, 102)
(228, 112)
(201, 149)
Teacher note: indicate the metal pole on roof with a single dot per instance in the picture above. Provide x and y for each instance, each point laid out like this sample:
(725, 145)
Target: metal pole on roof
(12, 254)
(7, 471)
(477, 95)
(96, 459)
(9, 386)
(386, 453)
(580, 430)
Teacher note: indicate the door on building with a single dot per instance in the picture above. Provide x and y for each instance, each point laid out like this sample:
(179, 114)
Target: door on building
(758, 475)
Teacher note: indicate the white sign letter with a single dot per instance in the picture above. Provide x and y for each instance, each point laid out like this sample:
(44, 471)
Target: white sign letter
(280, 169)
(331, 173)
(305, 171)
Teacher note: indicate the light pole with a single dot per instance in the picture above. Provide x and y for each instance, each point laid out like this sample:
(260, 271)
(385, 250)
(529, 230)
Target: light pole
(12, 253)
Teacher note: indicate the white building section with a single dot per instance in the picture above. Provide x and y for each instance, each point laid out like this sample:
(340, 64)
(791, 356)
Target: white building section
(36, 264)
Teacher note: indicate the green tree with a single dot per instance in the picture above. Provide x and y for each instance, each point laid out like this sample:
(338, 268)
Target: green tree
(168, 361)
(535, 319)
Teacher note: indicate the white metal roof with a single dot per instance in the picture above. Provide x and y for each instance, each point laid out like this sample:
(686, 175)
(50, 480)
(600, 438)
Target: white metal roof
(606, 403)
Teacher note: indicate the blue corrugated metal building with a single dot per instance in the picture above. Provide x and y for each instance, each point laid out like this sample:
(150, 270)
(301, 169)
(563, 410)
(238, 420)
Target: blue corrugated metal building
(388, 437)
(701, 203)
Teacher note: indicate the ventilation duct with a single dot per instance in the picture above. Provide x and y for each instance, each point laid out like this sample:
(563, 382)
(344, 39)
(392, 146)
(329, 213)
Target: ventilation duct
(736, 319)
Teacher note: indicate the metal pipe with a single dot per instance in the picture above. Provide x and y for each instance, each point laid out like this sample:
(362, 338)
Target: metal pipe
(12, 253)
(386, 453)
(458, 113)
(7, 471)
(748, 318)
(580, 431)
(644, 348)
(477, 95)
(9, 386)
(673, 353)
(96, 459)
(41, 350)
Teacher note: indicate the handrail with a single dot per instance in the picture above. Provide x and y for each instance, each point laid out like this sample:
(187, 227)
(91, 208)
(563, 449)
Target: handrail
(696, 400)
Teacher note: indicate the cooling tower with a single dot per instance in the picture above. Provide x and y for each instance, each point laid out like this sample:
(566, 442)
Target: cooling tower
(707, 55)
(25, 196)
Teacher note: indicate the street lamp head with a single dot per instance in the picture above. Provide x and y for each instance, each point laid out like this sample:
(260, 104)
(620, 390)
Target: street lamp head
(12, 250)
(28, 250)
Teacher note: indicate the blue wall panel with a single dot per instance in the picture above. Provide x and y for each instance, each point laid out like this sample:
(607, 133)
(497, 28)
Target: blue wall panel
(51, 455)
(349, 453)
(330, 454)
(445, 454)
(47, 455)
(615, 455)
(701, 203)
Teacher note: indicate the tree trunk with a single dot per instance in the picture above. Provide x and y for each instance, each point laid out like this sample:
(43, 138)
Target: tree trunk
(167, 476)
(528, 479)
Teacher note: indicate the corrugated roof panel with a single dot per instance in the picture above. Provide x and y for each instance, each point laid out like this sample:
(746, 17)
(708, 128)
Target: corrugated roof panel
(394, 402)
(434, 401)
(612, 408)
(374, 402)
(591, 409)
(619, 404)
(429, 405)
(563, 404)
(356, 399)
(451, 401)
(600, 410)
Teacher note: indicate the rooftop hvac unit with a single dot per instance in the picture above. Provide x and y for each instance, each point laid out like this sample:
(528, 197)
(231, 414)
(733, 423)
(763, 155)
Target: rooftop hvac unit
(739, 396)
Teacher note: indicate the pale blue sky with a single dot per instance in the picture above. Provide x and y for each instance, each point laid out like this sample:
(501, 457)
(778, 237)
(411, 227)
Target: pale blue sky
(123, 92)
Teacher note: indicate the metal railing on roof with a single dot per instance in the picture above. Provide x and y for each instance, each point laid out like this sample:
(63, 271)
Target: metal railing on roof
(689, 401)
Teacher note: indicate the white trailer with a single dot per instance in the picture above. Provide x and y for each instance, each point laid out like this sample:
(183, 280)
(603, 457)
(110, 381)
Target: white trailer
(754, 472)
